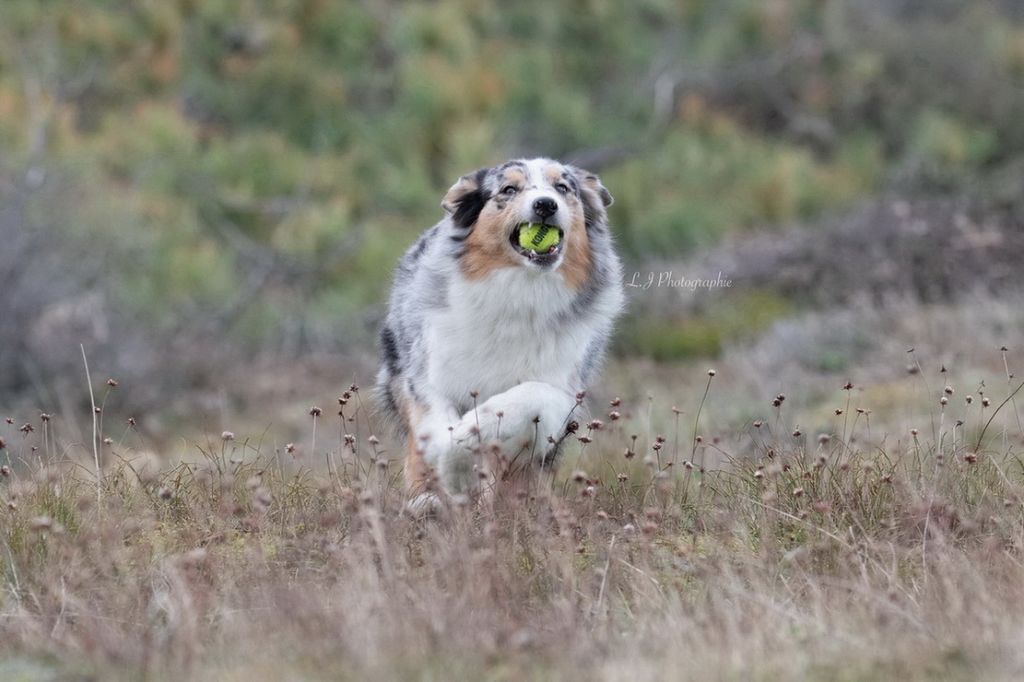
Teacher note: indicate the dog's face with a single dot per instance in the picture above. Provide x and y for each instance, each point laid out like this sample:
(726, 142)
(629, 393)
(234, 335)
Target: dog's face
(492, 206)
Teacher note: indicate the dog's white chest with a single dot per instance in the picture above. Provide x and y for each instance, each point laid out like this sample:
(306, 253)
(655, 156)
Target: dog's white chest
(502, 331)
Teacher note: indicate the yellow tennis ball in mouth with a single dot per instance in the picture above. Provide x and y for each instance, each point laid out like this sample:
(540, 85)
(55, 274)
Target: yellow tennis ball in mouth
(538, 237)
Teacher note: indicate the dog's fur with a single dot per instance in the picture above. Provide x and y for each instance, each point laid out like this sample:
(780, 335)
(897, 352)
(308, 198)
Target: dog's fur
(484, 344)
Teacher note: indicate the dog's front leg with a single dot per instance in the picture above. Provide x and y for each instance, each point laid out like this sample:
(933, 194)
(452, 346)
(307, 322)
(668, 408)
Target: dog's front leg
(519, 426)
(432, 422)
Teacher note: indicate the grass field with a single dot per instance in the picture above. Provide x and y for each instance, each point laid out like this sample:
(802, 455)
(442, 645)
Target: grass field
(686, 541)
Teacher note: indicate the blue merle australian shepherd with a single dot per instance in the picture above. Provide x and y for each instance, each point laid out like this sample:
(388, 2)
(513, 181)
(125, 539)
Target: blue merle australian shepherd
(487, 344)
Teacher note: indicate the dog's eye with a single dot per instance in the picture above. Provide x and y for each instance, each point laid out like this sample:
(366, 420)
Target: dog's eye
(509, 190)
(562, 188)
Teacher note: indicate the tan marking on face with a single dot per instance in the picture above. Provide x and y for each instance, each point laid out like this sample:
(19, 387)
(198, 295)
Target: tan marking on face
(575, 268)
(553, 174)
(487, 247)
(513, 176)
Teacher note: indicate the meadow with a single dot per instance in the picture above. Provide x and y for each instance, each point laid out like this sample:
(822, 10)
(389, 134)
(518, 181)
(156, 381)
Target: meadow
(814, 472)
(850, 531)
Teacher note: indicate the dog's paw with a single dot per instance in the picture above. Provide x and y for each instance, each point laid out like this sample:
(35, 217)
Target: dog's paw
(424, 506)
(527, 418)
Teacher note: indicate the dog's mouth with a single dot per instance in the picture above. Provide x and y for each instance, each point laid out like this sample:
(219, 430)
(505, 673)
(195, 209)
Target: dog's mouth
(539, 243)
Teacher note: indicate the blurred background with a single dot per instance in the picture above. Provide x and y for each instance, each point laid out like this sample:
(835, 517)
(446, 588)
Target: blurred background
(210, 195)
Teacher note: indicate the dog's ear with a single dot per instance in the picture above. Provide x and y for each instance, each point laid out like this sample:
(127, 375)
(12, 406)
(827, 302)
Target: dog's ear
(466, 198)
(595, 196)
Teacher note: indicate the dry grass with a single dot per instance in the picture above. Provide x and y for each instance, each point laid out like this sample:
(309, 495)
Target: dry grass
(838, 556)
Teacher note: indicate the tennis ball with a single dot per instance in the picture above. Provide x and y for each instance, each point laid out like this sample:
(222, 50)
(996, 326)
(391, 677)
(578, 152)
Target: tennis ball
(538, 237)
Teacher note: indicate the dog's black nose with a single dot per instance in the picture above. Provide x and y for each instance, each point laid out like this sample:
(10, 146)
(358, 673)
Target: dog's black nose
(545, 207)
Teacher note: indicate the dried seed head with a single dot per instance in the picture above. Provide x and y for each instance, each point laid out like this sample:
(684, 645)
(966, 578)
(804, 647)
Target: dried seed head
(579, 476)
(614, 416)
(985, 402)
(572, 427)
(615, 402)
(758, 423)
(586, 439)
(580, 397)
(1003, 348)
(969, 399)
(622, 478)
(943, 400)
(914, 432)
(948, 390)
(227, 435)
(164, 493)
(629, 454)
(5, 471)
(839, 411)
(373, 440)
(44, 417)
(797, 433)
(108, 441)
(824, 438)
(315, 412)
(27, 428)
(112, 383)
(9, 420)
(912, 369)
(688, 465)
(289, 448)
(97, 410)
(971, 457)
(776, 402)
(595, 425)
(712, 372)
(131, 422)
(848, 386)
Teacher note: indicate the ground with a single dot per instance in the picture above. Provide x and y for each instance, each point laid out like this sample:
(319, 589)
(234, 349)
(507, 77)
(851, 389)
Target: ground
(860, 529)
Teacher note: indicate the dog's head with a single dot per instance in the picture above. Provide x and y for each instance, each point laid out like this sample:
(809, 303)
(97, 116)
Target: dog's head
(492, 206)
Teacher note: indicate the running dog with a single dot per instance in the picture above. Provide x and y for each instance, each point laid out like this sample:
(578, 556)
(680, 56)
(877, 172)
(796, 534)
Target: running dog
(488, 343)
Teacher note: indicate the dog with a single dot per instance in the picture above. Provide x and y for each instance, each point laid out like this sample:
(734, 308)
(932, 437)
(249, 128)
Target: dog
(488, 345)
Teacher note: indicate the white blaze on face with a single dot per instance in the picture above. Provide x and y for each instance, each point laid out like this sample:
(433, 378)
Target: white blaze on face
(538, 185)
